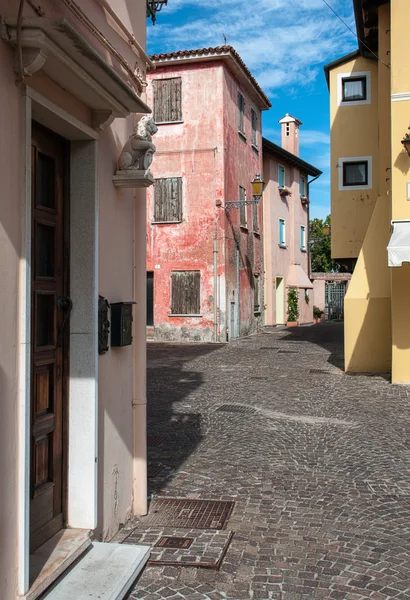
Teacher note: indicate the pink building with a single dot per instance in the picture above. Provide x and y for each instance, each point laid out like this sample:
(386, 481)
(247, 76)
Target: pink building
(286, 225)
(204, 262)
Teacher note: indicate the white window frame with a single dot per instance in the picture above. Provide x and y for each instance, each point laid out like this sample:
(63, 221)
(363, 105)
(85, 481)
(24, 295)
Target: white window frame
(304, 179)
(282, 244)
(303, 229)
(341, 76)
(342, 160)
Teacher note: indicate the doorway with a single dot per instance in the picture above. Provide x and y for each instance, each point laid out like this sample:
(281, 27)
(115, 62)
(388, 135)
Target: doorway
(150, 298)
(50, 309)
(280, 301)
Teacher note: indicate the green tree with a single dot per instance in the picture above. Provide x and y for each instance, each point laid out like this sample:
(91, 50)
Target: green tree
(320, 247)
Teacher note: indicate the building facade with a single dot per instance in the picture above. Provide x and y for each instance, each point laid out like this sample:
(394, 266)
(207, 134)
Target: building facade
(72, 421)
(286, 225)
(204, 257)
(369, 117)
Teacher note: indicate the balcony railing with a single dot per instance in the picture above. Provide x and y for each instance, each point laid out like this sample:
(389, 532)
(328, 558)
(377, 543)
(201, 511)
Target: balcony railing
(154, 6)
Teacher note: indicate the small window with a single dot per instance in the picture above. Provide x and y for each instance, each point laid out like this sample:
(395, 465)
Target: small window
(185, 293)
(303, 238)
(241, 113)
(354, 89)
(282, 232)
(355, 173)
(242, 207)
(287, 129)
(254, 118)
(281, 176)
(168, 200)
(167, 100)
(303, 186)
(257, 293)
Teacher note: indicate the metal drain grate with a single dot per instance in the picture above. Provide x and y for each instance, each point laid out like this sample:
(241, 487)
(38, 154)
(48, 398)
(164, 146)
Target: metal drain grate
(259, 378)
(269, 348)
(189, 514)
(174, 542)
(154, 470)
(155, 440)
(236, 408)
(325, 372)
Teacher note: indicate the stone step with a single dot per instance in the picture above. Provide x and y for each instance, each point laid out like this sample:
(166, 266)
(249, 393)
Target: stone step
(106, 572)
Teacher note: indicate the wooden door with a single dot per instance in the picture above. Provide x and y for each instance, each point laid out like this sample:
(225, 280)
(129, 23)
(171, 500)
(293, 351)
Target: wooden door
(150, 298)
(50, 308)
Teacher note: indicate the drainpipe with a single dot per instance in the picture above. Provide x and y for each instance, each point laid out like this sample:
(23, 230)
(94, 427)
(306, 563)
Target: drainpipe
(215, 289)
(238, 290)
(308, 224)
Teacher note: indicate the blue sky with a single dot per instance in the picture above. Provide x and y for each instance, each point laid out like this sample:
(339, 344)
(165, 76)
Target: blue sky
(285, 44)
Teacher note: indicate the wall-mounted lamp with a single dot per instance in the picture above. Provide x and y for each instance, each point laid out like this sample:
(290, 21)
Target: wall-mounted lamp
(326, 230)
(257, 185)
(154, 6)
(406, 142)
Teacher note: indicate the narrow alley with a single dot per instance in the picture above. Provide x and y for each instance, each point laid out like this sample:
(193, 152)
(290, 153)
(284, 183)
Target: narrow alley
(317, 463)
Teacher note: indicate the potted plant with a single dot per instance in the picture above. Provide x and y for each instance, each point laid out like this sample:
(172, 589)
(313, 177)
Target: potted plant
(293, 307)
(317, 314)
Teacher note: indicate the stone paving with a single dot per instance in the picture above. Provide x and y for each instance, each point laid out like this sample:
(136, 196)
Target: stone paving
(320, 471)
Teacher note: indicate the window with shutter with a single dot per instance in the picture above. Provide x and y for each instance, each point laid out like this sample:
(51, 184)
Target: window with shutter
(185, 293)
(167, 100)
(254, 118)
(168, 200)
(242, 207)
(241, 113)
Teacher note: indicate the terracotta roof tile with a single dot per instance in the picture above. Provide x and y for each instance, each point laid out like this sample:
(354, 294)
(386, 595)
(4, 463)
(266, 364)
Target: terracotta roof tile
(219, 50)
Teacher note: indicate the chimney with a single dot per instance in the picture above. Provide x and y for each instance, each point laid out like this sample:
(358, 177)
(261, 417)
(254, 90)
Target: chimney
(290, 134)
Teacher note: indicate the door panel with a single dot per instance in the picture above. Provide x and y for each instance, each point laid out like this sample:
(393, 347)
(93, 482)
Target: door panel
(150, 298)
(48, 356)
(280, 301)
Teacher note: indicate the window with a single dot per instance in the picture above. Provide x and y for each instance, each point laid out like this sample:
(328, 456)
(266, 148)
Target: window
(281, 176)
(168, 200)
(282, 232)
(167, 100)
(287, 129)
(185, 293)
(256, 293)
(241, 113)
(242, 207)
(353, 88)
(255, 220)
(355, 173)
(303, 238)
(303, 186)
(254, 118)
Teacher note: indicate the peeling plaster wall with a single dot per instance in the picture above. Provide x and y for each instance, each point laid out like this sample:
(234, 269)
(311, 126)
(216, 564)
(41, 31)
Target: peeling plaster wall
(192, 150)
(242, 162)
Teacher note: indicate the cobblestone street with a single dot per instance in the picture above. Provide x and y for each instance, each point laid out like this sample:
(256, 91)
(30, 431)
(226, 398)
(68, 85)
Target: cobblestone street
(319, 470)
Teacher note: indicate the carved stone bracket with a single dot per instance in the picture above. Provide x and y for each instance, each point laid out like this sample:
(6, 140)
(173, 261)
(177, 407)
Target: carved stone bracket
(133, 178)
(102, 119)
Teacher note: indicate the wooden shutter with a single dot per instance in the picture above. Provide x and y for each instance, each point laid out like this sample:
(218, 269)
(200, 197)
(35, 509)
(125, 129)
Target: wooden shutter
(168, 200)
(256, 290)
(255, 223)
(254, 127)
(242, 207)
(186, 298)
(167, 100)
(241, 110)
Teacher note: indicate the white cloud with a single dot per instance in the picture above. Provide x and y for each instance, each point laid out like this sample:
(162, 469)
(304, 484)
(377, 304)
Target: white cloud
(310, 137)
(283, 42)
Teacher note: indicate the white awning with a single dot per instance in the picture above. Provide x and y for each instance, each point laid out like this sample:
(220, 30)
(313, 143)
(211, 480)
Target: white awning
(398, 249)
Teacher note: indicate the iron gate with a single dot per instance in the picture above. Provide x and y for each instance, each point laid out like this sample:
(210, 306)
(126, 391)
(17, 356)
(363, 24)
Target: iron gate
(335, 295)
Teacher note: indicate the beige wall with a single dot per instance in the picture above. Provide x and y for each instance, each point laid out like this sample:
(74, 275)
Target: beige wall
(10, 256)
(353, 133)
(120, 383)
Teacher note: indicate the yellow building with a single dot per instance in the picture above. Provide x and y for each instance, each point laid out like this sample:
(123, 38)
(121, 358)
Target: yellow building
(370, 187)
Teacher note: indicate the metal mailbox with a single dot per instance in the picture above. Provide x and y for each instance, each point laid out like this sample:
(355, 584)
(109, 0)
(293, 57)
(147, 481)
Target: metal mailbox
(121, 324)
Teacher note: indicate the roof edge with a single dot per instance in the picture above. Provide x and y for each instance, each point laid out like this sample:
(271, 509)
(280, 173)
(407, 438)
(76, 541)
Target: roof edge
(208, 54)
(271, 147)
(340, 61)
